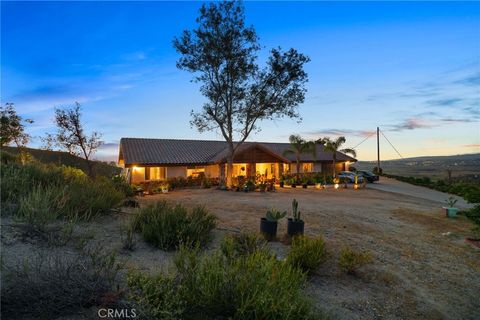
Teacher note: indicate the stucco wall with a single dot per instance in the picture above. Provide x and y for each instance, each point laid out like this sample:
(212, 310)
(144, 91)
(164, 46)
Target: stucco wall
(212, 171)
(138, 174)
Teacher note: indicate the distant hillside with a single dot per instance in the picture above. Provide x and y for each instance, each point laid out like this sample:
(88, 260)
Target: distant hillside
(434, 167)
(64, 158)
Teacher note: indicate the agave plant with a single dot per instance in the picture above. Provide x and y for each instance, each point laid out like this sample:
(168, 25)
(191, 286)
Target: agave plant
(451, 201)
(275, 215)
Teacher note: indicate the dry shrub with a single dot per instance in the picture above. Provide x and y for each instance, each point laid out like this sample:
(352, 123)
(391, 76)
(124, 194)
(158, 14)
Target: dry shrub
(350, 261)
(50, 286)
(308, 254)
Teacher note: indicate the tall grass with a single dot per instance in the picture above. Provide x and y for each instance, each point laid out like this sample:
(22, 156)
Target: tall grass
(166, 226)
(213, 286)
(41, 206)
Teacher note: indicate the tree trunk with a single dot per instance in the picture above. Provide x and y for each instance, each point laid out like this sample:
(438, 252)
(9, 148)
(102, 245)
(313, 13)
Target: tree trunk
(298, 170)
(334, 171)
(90, 168)
(229, 172)
(230, 166)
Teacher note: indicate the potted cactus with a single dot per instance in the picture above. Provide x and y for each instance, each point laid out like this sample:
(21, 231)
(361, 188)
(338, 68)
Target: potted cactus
(295, 224)
(450, 209)
(268, 224)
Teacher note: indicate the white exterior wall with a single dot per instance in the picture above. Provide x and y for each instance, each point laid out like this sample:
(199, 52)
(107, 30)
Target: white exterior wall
(173, 172)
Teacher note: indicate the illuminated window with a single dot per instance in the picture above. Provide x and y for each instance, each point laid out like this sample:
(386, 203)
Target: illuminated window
(195, 171)
(307, 167)
(157, 173)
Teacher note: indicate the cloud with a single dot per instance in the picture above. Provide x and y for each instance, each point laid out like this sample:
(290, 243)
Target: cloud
(411, 124)
(108, 151)
(471, 80)
(340, 132)
(444, 102)
(473, 111)
(464, 120)
(473, 145)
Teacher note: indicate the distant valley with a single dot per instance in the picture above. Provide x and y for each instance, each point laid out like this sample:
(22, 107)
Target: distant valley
(436, 167)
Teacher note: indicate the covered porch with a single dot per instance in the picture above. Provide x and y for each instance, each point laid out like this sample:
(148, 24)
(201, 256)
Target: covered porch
(255, 163)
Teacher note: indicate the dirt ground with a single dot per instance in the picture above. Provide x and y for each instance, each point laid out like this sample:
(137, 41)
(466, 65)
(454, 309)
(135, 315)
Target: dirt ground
(418, 271)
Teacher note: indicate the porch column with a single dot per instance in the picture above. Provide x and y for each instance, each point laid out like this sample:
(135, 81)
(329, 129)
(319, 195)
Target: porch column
(280, 170)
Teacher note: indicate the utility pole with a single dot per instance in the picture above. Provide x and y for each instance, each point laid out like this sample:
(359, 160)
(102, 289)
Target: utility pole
(378, 151)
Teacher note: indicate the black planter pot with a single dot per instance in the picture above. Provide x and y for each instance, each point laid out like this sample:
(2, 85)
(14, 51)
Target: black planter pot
(268, 228)
(295, 227)
(282, 184)
(304, 186)
(294, 185)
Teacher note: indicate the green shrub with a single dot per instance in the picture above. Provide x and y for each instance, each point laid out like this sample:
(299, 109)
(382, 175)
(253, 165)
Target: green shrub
(123, 186)
(350, 260)
(81, 196)
(252, 286)
(242, 244)
(474, 214)
(89, 198)
(307, 254)
(167, 226)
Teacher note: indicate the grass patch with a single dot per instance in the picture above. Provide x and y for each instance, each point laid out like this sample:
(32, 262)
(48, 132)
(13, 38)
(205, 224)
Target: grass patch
(214, 286)
(307, 253)
(166, 226)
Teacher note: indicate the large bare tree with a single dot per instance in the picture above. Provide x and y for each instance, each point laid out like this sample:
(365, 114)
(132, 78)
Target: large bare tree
(71, 135)
(222, 54)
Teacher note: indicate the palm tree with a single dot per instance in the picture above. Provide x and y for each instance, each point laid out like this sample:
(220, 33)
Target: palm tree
(334, 146)
(299, 146)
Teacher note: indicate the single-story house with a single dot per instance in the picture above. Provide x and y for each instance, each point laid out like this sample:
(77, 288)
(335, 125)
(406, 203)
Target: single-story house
(159, 159)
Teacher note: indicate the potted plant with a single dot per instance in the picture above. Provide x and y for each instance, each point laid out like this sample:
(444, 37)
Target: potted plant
(262, 186)
(304, 182)
(295, 224)
(249, 186)
(268, 224)
(450, 210)
(282, 181)
(164, 187)
(293, 183)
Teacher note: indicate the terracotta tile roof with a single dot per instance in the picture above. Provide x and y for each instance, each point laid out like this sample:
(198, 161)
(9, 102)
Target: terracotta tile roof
(141, 151)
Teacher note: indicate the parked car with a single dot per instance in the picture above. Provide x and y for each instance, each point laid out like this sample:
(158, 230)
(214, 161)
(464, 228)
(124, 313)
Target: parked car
(350, 176)
(369, 176)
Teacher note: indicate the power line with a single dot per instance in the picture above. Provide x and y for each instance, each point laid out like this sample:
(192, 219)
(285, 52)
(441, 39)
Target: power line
(391, 144)
(364, 140)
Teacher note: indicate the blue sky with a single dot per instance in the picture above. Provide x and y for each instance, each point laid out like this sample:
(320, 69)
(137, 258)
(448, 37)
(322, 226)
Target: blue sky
(411, 68)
